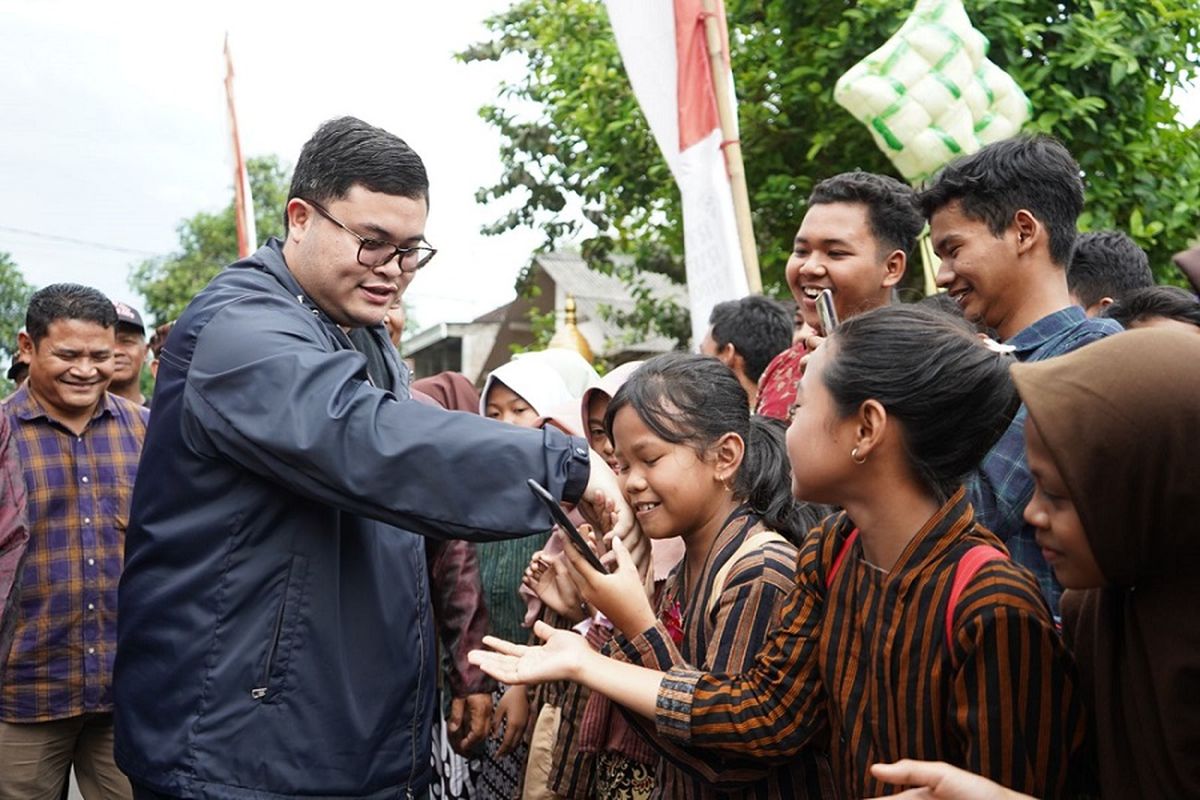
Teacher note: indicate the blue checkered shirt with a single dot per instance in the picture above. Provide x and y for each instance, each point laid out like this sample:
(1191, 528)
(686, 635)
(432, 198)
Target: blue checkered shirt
(1002, 486)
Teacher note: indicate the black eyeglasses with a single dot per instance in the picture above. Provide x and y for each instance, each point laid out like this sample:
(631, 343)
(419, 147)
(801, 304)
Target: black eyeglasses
(376, 252)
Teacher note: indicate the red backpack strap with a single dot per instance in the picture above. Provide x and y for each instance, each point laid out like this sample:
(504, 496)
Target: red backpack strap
(841, 556)
(971, 562)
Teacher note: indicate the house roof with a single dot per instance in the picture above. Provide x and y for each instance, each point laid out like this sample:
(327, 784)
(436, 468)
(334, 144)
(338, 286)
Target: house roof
(593, 290)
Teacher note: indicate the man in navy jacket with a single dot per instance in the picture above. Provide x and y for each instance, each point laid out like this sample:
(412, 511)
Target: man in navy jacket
(275, 637)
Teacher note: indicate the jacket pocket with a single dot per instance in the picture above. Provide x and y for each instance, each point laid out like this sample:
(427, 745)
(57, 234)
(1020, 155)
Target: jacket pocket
(285, 630)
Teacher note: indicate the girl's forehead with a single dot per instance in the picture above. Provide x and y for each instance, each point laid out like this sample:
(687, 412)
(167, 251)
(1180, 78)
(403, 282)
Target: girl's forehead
(499, 392)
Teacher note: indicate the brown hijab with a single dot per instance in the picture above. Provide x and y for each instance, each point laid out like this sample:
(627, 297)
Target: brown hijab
(1121, 418)
(450, 390)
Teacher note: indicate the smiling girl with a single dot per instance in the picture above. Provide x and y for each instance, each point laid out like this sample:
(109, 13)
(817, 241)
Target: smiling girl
(877, 652)
(696, 466)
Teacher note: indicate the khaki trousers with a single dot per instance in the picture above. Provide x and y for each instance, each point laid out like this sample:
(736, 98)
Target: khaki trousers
(35, 758)
(541, 755)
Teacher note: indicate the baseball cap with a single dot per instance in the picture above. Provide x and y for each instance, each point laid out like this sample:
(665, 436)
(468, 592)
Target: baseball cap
(128, 315)
(17, 368)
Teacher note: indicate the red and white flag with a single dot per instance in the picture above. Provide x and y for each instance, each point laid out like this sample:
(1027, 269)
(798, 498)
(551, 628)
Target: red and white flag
(243, 202)
(664, 47)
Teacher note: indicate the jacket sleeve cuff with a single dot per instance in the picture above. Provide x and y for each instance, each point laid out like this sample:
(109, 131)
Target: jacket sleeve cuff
(673, 712)
(579, 469)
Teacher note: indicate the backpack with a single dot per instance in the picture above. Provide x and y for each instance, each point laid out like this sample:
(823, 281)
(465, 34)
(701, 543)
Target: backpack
(970, 563)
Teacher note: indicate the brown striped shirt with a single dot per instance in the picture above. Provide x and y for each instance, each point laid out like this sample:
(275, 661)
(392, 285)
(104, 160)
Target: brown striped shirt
(725, 637)
(867, 664)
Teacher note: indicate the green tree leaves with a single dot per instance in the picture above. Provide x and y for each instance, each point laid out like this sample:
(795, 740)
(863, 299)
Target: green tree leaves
(208, 243)
(15, 292)
(579, 157)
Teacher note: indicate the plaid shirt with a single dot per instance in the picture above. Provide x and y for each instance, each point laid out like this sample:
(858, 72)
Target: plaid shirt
(1003, 486)
(78, 491)
(14, 536)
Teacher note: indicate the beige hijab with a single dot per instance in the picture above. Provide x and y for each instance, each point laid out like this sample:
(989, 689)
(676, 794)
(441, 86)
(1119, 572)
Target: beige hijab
(1121, 418)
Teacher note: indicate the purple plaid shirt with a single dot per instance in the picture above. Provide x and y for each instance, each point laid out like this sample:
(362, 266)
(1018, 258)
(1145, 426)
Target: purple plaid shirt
(78, 491)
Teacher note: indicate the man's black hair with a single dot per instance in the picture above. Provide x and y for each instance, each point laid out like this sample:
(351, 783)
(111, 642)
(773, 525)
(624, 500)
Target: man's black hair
(1035, 173)
(347, 151)
(1169, 302)
(892, 211)
(1107, 264)
(67, 301)
(758, 327)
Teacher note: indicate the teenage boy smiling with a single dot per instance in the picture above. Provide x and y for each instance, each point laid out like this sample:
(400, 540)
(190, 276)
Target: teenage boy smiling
(1003, 222)
(854, 240)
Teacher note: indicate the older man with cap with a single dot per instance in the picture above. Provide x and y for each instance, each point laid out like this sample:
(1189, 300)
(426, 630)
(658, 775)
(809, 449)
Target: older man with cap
(129, 354)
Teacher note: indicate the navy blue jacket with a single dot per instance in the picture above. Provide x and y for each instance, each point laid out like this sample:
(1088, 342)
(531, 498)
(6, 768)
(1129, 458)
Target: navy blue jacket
(274, 635)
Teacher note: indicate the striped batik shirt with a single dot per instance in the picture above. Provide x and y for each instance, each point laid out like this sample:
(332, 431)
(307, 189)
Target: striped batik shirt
(78, 490)
(725, 636)
(867, 665)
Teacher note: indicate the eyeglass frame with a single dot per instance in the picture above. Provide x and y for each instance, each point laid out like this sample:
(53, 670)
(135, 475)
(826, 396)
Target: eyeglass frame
(398, 252)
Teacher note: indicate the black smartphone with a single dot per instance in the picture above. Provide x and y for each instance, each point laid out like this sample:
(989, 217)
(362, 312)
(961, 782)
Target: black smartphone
(564, 522)
(826, 312)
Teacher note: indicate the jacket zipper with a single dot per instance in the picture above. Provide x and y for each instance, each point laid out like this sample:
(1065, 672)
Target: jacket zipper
(259, 692)
(420, 673)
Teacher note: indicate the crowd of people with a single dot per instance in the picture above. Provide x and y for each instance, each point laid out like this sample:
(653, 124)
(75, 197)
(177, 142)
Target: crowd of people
(939, 548)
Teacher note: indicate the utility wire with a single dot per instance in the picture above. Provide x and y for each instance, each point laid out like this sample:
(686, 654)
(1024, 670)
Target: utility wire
(82, 242)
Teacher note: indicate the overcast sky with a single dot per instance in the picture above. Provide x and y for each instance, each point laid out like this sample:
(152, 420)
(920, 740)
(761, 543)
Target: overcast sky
(113, 126)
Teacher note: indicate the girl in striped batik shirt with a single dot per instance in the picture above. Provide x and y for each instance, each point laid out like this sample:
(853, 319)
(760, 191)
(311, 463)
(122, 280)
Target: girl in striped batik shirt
(887, 648)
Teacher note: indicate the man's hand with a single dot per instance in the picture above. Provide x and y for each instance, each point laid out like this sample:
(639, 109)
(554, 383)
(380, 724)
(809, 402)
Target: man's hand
(811, 343)
(468, 721)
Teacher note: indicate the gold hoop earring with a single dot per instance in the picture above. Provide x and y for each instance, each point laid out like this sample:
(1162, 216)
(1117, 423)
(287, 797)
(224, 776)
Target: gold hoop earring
(854, 457)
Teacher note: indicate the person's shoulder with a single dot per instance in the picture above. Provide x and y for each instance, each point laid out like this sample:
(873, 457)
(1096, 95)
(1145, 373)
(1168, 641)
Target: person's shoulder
(1090, 329)
(1001, 587)
(127, 410)
(773, 562)
(822, 546)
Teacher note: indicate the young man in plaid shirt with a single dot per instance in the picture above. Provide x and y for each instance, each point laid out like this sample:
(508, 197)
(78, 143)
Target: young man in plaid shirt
(1003, 223)
(79, 447)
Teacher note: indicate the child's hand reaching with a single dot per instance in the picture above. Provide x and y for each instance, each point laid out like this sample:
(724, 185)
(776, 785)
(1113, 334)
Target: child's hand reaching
(510, 719)
(560, 658)
(620, 595)
(546, 576)
(940, 781)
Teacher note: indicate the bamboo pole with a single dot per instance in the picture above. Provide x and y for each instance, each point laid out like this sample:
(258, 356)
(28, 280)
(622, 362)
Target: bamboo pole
(732, 148)
(929, 262)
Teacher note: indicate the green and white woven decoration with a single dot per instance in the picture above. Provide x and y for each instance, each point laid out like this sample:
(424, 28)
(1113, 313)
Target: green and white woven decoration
(929, 94)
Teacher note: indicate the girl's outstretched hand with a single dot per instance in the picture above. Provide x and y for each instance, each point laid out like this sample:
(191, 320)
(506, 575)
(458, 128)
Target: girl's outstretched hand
(619, 595)
(560, 658)
(935, 780)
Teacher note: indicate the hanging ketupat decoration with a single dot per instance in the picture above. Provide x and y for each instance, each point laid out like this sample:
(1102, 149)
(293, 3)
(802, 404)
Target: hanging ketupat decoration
(930, 94)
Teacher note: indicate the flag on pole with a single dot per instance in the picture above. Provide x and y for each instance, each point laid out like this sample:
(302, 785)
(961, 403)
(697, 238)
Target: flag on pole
(243, 202)
(663, 45)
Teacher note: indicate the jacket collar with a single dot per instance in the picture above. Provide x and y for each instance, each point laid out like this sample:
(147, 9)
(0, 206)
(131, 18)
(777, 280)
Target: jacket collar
(269, 258)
